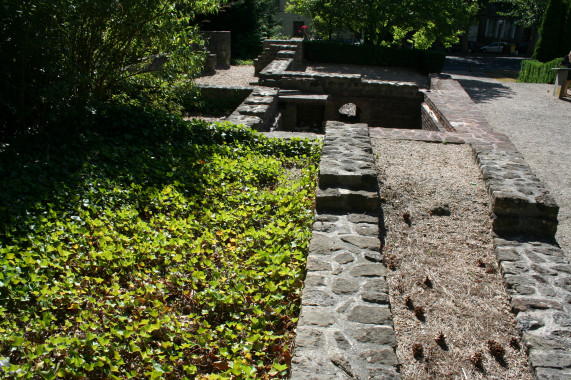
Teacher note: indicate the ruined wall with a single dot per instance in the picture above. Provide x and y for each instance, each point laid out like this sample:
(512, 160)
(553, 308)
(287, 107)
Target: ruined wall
(219, 43)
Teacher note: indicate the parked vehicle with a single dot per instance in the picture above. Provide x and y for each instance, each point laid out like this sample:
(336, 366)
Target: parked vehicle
(494, 47)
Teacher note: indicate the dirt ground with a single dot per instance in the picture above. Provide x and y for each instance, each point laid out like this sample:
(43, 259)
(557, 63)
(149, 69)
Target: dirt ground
(447, 297)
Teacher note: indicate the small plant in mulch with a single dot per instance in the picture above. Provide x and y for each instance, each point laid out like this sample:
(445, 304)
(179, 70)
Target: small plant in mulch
(441, 341)
(514, 343)
(392, 262)
(427, 282)
(417, 351)
(491, 268)
(419, 313)
(478, 360)
(408, 303)
(441, 210)
(407, 218)
(497, 351)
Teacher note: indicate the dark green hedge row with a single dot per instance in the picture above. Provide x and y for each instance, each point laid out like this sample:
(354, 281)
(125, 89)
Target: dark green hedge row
(426, 61)
(533, 71)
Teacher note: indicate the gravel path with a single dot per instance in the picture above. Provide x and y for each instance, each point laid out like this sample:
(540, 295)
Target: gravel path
(540, 127)
(242, 75)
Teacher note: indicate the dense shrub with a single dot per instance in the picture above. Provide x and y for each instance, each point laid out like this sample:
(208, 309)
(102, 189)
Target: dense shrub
(426, 61)
(533, 71)
(59, 55)
(147, 247)
(552, 40)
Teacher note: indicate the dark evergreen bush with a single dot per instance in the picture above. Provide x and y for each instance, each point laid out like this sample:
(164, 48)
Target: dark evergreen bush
(426, 61)
(551, 42)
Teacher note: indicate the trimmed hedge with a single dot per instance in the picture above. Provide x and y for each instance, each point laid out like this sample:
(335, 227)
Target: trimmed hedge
(533, 71)
(426, 61)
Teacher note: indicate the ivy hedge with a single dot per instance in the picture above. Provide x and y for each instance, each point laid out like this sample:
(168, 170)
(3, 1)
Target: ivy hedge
(149, 247)
(426, 61)
(533, 71)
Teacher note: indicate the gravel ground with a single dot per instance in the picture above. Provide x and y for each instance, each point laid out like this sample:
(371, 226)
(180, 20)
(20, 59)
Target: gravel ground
(242, 75)
(437, 220)
(540, 127)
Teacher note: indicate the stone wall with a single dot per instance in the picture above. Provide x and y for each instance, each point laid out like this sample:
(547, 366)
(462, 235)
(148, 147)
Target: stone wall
(345, 330)
(219, 43)
(218, 91)
(380, 104)
(258, 111)
(280, 49)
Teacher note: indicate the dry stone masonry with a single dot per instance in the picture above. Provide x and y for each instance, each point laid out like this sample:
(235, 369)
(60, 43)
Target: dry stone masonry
(345, 330)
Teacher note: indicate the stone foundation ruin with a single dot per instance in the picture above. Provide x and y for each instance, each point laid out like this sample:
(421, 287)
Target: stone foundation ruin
(345, 329)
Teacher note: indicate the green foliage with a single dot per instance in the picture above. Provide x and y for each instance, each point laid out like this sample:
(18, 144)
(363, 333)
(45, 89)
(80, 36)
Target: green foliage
(551, 43)
(418, 22)
(423, 60)
(66, 53)
(146, 247)
(567, 33)
(533, 71)
(528, 13)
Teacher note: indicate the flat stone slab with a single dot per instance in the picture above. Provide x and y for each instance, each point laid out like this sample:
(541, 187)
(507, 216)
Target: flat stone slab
(340, 199)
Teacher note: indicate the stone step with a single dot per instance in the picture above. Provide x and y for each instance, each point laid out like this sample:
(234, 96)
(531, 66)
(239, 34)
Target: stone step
(520, 202)
(339, 199)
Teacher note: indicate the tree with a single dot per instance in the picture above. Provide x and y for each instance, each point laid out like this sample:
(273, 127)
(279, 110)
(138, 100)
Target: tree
(551, 43)
(567, 33)
(419, 22)
(61, 54)
(528, 13)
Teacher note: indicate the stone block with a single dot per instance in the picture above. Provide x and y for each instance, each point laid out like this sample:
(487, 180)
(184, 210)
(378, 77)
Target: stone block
(368, 270)
(345, 286)
(316, 316)
(385, 356)
(339, 199)
(380, 335)
(376, 315)
(550, 358)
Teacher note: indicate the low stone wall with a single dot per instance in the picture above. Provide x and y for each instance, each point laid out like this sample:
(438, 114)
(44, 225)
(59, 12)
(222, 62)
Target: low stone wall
(274, 49)
(536, 272)
(210, 91)
(538, 278)
(345, 330)
(258, 110)
(380, 104)
(520, 202)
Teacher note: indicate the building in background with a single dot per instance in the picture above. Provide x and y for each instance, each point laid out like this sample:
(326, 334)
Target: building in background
(290, 23)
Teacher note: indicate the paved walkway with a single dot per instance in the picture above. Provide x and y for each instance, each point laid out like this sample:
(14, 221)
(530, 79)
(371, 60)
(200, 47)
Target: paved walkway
(538, 124)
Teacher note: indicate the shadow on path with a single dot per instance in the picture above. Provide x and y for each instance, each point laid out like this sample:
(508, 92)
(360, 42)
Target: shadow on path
(482, 91)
